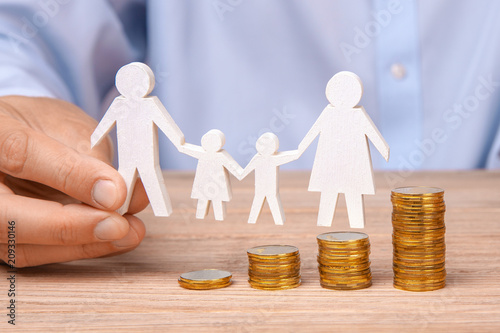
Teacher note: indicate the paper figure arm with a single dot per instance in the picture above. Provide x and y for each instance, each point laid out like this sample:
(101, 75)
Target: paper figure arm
(286, 156)
(312, 134)
(166, 123)
(374, 135)
(230, 164)
(106, 124)
(249, 168)
(191, 150)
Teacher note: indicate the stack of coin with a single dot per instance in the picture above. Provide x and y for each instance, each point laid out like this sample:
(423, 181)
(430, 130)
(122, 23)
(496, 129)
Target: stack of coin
(205, 279)
(343, 260)
(418, 238)
(274, 267)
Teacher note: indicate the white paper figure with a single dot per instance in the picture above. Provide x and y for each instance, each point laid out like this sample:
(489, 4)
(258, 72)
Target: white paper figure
(343, 162)
(137, 117)
(266, 165)
(211, 181)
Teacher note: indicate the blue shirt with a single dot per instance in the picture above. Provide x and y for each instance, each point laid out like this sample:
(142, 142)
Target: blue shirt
(430, 69)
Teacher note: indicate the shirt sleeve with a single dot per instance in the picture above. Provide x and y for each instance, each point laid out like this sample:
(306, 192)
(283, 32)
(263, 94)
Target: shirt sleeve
(69, 50)
(27, 64)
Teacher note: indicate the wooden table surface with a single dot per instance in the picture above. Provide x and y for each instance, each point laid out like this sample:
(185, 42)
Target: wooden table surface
(139, 290)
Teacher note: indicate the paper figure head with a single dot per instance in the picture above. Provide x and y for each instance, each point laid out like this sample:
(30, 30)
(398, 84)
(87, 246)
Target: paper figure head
(344, 90)
(135, 80)
(267, 144)
(213, 141)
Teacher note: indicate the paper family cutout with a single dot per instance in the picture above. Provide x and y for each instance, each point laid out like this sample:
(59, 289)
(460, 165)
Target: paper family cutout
(342, 163)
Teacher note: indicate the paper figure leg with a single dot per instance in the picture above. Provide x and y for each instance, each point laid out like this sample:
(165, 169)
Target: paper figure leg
(276, 209)
(130, 178)
(219, 210)
(327, 205)
(202, 209)
(258, 202)
(154, 184)
(355, 210)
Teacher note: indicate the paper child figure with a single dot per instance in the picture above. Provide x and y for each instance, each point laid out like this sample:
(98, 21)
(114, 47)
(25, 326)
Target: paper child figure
(211, 181)
(137, 117)
(343, 163)
(266, 165)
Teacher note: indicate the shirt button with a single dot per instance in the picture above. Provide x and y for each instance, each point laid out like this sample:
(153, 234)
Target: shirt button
(398, 71)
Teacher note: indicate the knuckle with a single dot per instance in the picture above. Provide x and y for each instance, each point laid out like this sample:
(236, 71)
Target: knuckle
(66, 173)
(65, 232)
(14, 151)
(17, 260)
(90, 251)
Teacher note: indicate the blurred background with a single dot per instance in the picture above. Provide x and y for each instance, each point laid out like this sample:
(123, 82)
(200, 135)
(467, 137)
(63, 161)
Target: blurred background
(430, 68)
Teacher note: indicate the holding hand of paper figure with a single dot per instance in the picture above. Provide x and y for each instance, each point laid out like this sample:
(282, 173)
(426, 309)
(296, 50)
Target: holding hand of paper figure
(266, 165)
(137, 116)
(211, 181)
(342, 163)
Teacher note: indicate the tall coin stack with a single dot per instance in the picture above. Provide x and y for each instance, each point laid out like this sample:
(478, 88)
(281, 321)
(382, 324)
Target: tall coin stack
(343, 260)
(274, 267)
(418, 238)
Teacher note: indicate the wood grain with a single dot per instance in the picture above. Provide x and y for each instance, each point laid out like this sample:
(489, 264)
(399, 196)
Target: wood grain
(138, 291)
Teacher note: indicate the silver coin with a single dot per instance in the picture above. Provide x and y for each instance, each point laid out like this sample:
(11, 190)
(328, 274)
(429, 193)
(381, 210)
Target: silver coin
(272, 250)
(418, 190)
(342, 236)
(206, 275)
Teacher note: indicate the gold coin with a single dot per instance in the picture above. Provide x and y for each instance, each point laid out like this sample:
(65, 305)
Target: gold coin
(341, 279)
(345, 275)
(419, 283)
(265, 287)
(420, 277)
(331, 263)
(417, 256)
(205, 279)
(422, 236)
(417, 201)
(419, 210)
(273, 251)
(352, 279)
(347, 284)
(256, 275)
(420, 288)
(354, 286)
(401, 229)
(344, 250)
(346, 257)
(273, 270)
(342, 237)
(208, 285)
(419, 268)
(418, 191)
(276, 283)
(344, 268)
(420, 248)
(417, 263)
(417, 240)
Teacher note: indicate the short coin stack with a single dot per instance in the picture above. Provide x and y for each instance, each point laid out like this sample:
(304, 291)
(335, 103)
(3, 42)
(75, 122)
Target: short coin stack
(274, 267)
(343, 260)
(205, 279)
(418, 238)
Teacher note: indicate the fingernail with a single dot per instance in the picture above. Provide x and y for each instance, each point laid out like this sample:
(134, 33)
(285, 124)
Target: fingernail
(108, 229)
(128, 241)
(104, 193)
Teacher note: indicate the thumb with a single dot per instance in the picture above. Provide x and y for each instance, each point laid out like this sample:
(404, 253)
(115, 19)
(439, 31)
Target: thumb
(28, 154)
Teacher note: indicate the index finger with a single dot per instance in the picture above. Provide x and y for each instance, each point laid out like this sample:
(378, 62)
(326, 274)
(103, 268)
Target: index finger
(28, 154)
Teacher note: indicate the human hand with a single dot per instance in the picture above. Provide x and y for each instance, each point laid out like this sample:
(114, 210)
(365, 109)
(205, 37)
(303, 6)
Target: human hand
(60, 193)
